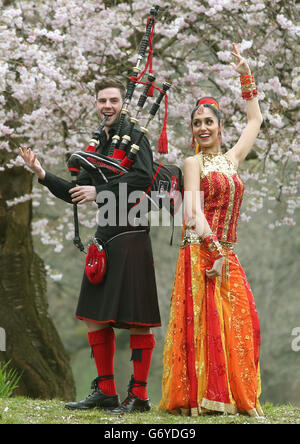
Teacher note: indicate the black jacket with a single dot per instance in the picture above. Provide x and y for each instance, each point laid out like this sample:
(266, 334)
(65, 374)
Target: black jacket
(138, 178)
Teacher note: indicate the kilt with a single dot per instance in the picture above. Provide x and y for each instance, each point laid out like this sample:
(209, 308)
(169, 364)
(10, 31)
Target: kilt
(127, 298)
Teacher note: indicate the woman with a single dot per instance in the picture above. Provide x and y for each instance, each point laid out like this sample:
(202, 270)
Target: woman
(212, 343)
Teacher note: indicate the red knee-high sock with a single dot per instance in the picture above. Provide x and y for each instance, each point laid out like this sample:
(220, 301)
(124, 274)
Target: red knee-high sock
(142, 347)
(103, 346)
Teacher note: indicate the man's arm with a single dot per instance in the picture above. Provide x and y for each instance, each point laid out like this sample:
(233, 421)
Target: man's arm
(60, 187)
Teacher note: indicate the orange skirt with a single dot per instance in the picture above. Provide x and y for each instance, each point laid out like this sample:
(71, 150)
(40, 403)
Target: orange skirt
(212, 345)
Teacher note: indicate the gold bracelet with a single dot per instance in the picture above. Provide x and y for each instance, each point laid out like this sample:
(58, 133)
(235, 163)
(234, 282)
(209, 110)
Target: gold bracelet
(248, 86)
(213, 246)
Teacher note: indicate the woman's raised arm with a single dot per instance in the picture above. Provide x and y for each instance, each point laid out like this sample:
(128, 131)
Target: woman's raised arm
(254, 118)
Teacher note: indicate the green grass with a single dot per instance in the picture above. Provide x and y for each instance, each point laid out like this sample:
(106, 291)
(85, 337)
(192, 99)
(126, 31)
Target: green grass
(28, 411)
(9, 380)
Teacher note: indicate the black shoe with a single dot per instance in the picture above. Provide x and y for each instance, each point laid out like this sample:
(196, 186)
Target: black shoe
(97, 399)
(132, 403)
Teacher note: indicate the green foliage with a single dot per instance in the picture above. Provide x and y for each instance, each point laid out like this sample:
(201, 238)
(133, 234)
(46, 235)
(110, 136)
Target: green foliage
(9, 380)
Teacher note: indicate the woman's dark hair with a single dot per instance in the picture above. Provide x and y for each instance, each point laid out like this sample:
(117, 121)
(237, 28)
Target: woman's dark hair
(216, 112)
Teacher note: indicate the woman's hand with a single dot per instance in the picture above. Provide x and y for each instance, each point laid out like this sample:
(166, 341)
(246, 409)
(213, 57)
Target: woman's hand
(241, 66)
(216, 270)
(83, 194)
(32, 162)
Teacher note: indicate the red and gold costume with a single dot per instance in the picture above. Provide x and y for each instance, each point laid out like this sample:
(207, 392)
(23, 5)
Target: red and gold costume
(212, 345)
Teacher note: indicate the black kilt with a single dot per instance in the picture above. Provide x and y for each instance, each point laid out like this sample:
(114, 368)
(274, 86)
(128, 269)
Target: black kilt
(127, 297)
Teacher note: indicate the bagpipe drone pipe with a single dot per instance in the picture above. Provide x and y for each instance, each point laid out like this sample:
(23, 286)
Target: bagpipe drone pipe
(167, 183)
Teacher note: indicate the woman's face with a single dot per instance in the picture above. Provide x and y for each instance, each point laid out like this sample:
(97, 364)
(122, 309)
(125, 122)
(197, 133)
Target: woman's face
(206, 129)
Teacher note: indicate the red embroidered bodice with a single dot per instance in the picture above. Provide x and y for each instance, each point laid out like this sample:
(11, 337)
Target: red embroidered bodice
(223, 194)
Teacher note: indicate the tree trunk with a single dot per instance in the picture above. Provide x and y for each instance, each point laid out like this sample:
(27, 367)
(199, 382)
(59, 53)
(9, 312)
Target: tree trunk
(32, 342)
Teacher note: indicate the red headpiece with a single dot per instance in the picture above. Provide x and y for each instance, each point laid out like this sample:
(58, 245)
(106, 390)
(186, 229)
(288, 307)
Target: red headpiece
(208, 100)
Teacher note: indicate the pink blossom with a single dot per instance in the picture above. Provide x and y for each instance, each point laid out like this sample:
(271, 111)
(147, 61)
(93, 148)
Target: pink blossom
(54, 55)
(18, 200)
(276, 120)
(245, 218)
(225, 56)
(56, 277)
(246, 44)
(283, 21)
(257, 7)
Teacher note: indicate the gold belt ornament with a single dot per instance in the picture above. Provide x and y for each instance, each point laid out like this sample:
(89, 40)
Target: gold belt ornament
(191, 238)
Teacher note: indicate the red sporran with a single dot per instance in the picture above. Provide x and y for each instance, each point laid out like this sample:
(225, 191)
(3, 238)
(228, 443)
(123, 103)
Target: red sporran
(95, 263)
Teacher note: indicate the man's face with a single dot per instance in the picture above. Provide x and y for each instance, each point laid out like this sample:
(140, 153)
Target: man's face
(109, 102)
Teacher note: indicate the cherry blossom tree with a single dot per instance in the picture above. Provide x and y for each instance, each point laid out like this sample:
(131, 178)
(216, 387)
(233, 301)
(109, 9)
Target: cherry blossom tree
(53, 51)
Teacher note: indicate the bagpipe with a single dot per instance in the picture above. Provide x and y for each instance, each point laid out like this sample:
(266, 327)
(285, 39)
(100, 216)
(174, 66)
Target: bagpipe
(166, 188)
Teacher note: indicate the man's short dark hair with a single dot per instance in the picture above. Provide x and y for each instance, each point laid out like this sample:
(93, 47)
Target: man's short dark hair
(110, 83)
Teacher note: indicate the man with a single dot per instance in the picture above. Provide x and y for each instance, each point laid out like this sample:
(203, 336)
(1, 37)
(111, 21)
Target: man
(127, 298)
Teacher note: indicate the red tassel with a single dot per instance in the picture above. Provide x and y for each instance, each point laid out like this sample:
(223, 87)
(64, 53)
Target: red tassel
(151, 91)
(163, 140)
(163, 143)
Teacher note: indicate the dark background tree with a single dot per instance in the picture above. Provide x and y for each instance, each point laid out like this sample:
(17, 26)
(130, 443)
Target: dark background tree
(32, 342)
